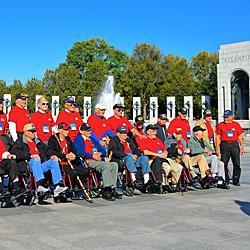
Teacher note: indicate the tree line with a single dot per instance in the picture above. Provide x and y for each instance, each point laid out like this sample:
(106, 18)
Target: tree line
(147, 72)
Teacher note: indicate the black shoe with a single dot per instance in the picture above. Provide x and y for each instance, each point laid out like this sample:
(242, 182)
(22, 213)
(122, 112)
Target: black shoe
(107, 194)
(116, 195)
(205, 183)
(223, 186)
(236, 183)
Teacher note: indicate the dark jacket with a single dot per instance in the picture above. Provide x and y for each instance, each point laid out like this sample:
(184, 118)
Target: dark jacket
(80, 147)
(172, 146)
(162, 133)
(56, 148)
(22, 152)
(117, 148)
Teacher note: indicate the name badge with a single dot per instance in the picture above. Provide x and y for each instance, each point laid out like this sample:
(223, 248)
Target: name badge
(211, 140)
(73, 126)
(230, 133)
(159, 151)
(188, 134)
(1, 126)
(45, 128)
(94, 150)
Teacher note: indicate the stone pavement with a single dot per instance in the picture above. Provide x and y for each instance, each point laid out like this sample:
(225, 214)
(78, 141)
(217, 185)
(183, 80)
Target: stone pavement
(200, 219)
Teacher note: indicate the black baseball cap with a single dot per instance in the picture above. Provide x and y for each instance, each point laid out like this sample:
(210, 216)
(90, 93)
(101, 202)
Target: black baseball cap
(163, 117)
(70, 99)
(118, 106)
(121, 130)
(183, 111)
(21, 96)
(151, 126)
(198, 128)
(85, 127)
(64, 126)
(139, 119)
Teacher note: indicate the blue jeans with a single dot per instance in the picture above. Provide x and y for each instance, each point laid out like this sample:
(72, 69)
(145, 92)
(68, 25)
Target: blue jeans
(141, 161)
(38, 168)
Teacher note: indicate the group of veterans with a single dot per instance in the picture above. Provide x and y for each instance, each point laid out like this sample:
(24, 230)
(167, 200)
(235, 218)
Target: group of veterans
(150, 154)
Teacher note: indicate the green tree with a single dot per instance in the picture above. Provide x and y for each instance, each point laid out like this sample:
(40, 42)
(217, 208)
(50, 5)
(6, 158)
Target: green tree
(204, 67)
(143, 74)
(177, 79)
(3, 88)
(15, 88)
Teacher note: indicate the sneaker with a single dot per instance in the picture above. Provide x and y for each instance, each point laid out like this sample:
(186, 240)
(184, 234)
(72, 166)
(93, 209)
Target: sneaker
(42, 189)
(59, 190)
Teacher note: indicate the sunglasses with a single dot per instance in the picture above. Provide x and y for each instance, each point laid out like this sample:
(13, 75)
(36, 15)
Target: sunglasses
(120, 110)
(45, 104)
(70, 104)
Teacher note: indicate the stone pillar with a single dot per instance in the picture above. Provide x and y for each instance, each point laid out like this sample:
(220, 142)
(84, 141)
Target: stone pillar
(153, 106)
(36, 103)
(171, 107)
(122, 99)
(55, 104)
(136, 106)
(188, 104)
(205, 103)
(86, 108)
(7, 103)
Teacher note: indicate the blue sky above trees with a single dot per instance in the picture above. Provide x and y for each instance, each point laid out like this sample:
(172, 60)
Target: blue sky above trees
(36, 35)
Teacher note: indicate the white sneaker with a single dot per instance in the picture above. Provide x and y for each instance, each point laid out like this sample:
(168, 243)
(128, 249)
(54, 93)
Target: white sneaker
(59, 190)
(42, 189)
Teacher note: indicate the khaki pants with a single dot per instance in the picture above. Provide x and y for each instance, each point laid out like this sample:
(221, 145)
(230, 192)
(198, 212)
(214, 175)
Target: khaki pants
(200, 160)
(173, 166)
(188, 164)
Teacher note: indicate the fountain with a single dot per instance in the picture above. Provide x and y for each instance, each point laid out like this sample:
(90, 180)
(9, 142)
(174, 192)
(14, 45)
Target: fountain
(108, 97)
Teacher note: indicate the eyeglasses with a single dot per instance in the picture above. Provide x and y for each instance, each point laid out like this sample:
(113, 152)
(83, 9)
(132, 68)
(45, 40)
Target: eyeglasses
(120, 110)
(103, 110)
(45, 104)
(70, 104)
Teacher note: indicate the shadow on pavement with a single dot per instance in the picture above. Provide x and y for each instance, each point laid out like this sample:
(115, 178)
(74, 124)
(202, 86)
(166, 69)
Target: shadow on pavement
(244, 206)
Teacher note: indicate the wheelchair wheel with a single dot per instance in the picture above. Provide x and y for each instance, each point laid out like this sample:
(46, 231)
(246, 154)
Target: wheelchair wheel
(129, 191)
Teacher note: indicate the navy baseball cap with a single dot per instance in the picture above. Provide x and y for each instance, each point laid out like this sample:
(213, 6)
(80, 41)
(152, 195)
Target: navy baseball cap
(198, 128)
(183, 111)
(70, 99)
(227, 113)
(139, 119)
(121, 130)
(163, 117)
(85, 127)
(151, 126)
(21, 96)
(118, 106)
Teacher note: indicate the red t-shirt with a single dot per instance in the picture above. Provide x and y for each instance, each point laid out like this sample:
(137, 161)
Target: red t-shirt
(43, 123)
(137, 138)
(180, 123)
(20, 116)
(2, 149)
(229, 131)
(73, 119)
(126, 147)
(3, 123)
(180, 146)
(154, 145)
(210, 131)
(64, 146)
(99, 125)
(115, 122)
(89, 148)
(33, 148)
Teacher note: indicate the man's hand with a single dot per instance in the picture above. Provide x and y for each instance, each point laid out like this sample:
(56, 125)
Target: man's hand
(71, 156)
(209, 152)
(179, 151)
(187, 150)
(54, 157)
(142, 136)
(11, 157)
(241, 150)
(134, 157)
(163, 155)
(36, 157)
(97, 156)
(218, 151)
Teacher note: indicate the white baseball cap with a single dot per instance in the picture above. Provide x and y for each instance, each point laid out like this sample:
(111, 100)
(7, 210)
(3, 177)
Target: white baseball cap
(100, 106)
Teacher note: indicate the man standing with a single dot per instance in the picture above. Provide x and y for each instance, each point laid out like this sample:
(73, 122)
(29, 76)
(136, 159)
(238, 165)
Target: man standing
(70, 117)
(19, 116)
(162, 133)
(181, 122)
(43, 120)
(229, 142)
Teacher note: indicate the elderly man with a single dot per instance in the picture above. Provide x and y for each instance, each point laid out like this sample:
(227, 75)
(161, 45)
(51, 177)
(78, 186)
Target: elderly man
(99, 124)
(88, 148)
(198, 146)
(122, 147)
(118, 120)
(162, 133)
(207, 123)
(181, 122)
(43, 120)
(41, 159)
(72, 118)
(229, 142)
(18, 117)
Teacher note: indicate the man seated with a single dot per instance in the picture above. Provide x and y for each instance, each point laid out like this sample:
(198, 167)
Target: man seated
(64, 149)
(154, 148)
(122, 147)
(200, 147)
(8, 167)
(88, 148)
(41, 159)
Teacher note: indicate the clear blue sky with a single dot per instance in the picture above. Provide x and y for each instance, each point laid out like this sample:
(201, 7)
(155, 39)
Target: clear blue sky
(35, 35)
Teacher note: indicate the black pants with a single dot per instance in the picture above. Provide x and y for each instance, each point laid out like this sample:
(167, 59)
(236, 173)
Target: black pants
(231, 150)
(156, 167)
(9, 167)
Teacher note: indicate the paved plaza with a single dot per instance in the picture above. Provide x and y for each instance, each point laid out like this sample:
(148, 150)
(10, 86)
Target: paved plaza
(200, 219)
